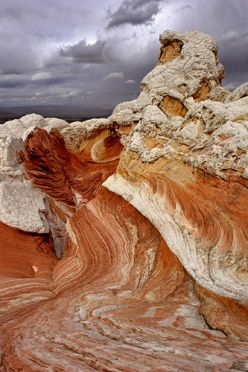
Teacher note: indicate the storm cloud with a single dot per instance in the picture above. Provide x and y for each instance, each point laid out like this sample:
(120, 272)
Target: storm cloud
(136, 12)
(91, 53)
(85, 53)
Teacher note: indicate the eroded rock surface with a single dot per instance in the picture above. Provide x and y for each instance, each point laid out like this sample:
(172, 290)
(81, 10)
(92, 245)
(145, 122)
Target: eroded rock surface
(124, 240)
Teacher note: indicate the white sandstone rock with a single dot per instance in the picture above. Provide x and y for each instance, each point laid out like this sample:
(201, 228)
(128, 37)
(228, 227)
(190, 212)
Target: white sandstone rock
(22, 206)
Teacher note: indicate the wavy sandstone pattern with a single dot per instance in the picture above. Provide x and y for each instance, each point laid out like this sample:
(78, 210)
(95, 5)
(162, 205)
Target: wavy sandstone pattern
(124, 240)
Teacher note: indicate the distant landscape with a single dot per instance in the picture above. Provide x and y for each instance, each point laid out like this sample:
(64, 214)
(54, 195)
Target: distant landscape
(70, 114)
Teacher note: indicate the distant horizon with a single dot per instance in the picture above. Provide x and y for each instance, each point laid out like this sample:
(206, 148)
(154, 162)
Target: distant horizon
(11, 112)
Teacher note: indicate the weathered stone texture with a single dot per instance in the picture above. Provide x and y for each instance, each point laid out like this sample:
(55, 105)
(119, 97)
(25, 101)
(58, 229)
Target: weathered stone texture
(124, 240)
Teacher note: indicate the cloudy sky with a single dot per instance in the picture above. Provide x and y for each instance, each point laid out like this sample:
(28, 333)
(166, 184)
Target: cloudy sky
(94, 53)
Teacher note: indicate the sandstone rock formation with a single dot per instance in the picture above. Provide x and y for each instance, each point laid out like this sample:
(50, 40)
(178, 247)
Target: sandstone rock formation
(124, 240)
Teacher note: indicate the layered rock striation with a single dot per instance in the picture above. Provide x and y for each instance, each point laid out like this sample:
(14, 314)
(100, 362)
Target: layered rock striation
(124, 240)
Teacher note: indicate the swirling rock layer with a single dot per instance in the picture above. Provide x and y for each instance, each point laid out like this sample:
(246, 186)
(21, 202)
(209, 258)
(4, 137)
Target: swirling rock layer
(124, 240)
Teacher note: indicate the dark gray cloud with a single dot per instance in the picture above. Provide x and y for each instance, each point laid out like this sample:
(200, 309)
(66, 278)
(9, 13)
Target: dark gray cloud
(133, 12)
(233, 52)
(85, 53)
(60, 52)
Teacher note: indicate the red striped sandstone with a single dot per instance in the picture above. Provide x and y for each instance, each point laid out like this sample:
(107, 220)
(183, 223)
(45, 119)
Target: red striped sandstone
(124, 240)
